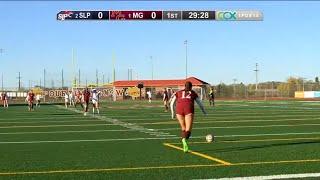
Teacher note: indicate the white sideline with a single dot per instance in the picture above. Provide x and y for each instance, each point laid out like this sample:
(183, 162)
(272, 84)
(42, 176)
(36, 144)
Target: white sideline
(132, 126)
(156, 138)
(280, 176)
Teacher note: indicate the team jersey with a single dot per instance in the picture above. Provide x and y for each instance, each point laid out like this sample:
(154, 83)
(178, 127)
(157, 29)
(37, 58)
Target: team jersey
(165, 96)
(66, 96)
(96, 96)
(86, 95)
(186, 98)
(30, 97)
(3, 96)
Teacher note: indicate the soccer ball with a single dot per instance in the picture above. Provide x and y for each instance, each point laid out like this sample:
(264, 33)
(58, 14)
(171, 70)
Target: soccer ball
(209, 138)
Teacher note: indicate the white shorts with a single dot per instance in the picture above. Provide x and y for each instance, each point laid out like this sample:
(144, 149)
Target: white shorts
(66, 100)
(94, 101)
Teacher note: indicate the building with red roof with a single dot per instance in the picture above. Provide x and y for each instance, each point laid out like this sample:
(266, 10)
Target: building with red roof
(121, 88)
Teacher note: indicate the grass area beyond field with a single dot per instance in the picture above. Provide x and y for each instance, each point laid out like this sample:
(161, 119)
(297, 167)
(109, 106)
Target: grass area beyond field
(138, 140)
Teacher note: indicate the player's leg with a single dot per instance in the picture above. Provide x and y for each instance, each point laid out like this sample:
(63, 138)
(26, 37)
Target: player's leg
(97, 106)
(181, 119)
(93, 107)
(189, 123)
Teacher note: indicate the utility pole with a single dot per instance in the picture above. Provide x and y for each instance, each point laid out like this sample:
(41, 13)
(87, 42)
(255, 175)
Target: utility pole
(256, 70)
(186, 44)
(1, 51)
(62, 79)
(79, 82)
(44, 79)
(151, 67)
(19, 79)
(97, 78)
(113, 70)
(103, 79)
(2, 82)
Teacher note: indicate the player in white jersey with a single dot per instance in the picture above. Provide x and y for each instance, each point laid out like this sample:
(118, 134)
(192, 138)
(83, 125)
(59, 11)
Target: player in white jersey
(95, 100)
(66, 99)
(71, 98)
(149, 95)
(38, 97)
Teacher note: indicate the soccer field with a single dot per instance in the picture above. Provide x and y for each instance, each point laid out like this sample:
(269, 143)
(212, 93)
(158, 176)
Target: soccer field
(137, 140)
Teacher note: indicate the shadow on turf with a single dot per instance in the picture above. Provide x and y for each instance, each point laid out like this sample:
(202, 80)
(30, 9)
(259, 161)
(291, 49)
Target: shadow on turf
(233, 149)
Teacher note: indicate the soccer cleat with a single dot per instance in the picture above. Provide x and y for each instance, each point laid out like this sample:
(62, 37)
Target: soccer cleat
(185, 145)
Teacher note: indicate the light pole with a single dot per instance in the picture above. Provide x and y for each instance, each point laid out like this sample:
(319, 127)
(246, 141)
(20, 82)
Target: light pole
(151, 67)
(186, 44)
(1, 51)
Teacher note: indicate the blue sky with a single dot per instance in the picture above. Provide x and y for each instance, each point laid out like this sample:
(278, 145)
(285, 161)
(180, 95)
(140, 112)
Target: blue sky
(286, 43)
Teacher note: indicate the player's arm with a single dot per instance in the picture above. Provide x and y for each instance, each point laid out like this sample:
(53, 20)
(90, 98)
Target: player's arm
(172, 103)
(198, 101)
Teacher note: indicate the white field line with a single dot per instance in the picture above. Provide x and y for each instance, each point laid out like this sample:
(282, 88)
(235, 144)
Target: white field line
(57, 125)
(214, 118)
(34, 118)
(65, 132)
(233, 121)
(136, 127)
(163, 122)
(152, 131)
(280, 176)
(143, 139)
(239, 127)
(59, 121)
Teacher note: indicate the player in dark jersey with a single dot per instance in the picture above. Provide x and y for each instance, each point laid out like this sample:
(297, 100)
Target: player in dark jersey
(4, 98)
(86, 99)
(30, 99)
(184, 100)
(165, 99)
(211, 97)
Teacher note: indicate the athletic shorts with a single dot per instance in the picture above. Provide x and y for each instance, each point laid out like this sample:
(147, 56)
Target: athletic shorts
(94, 101)
(184, 110)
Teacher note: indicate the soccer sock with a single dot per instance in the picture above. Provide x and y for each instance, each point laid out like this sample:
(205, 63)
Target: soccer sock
(93, 110)
(183, 134)
(98, 111)
(188, 134)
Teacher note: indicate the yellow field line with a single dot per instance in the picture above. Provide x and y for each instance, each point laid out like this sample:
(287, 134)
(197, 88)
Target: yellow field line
(199, 154)
(256, 140)
(153, 167)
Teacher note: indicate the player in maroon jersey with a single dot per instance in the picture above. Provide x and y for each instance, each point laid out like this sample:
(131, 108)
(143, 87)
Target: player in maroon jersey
(4, 98)
(86, 99)
(165, 99)
(184, 100)
(30, 99)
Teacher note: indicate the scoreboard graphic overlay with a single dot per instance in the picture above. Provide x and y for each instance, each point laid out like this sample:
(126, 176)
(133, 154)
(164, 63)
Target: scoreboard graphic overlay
(118, 15)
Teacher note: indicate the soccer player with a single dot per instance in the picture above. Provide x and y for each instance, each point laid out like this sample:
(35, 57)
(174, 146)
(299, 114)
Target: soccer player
(165, 100)
(95, 100)
(38, 97)
(184, 100)
(149, 95)
(78, 98)
(66, 99)
(71, 98)
(30, 99)
(86, 99)
(4, 98)
(211, 97)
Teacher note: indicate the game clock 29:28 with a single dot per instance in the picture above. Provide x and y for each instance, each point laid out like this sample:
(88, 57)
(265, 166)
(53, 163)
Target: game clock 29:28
(200, 15)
